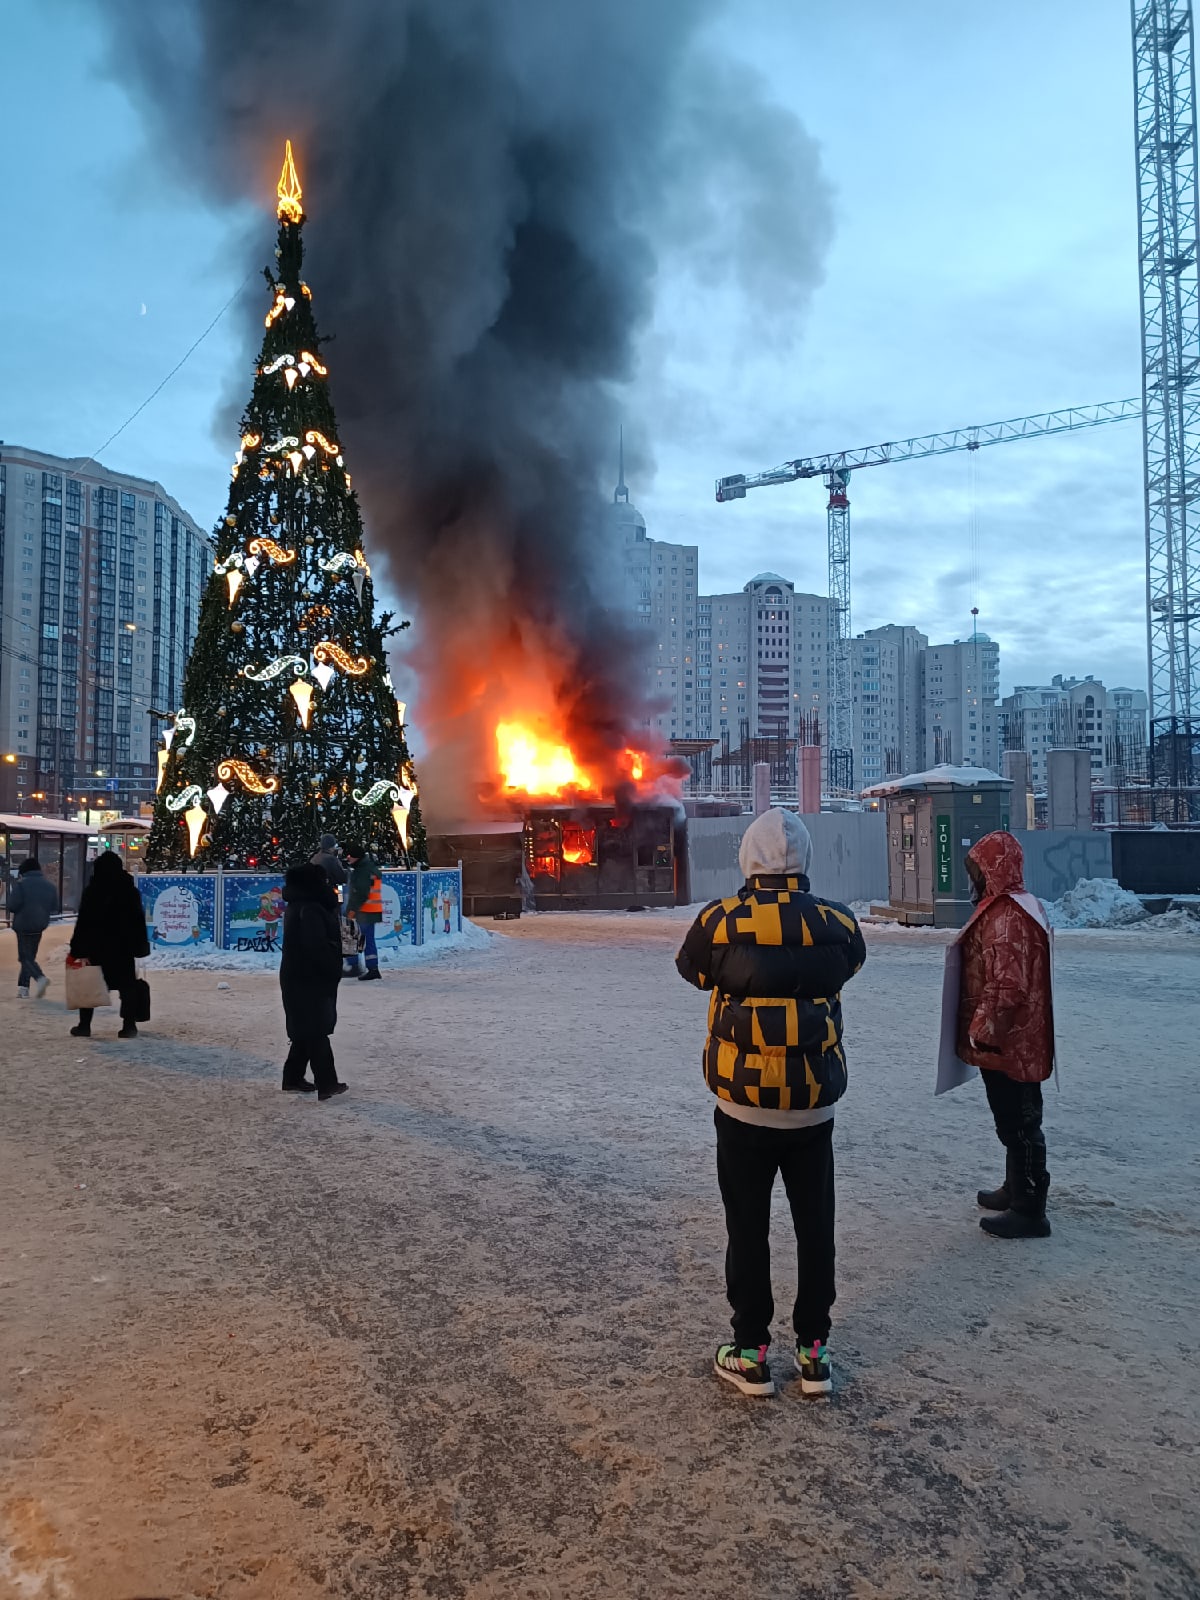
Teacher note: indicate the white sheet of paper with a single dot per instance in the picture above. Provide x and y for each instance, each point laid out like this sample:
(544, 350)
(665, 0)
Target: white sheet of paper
(951, 1069)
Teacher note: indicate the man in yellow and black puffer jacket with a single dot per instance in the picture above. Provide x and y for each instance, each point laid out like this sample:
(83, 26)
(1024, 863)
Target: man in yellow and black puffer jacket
(775, 957)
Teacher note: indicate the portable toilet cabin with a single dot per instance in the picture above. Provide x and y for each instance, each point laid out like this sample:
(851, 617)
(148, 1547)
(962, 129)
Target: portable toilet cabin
(933, 819)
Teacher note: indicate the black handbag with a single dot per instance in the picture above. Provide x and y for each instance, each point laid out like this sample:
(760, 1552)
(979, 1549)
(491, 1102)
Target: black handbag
(141, 1000)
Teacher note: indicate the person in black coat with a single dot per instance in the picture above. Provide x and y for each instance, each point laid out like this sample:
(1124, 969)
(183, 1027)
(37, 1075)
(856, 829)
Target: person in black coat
(309, 973)
(110, 933)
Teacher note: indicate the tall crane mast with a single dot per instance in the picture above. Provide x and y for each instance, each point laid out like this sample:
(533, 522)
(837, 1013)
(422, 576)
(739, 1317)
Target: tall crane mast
(835, 470)
(1164, 74)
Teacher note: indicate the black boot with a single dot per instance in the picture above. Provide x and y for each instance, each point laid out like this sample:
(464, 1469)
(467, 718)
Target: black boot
(993, 1199)
(1017, 1225)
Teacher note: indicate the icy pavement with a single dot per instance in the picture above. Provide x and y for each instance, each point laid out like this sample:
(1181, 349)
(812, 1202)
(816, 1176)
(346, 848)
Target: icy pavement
(450, 1335)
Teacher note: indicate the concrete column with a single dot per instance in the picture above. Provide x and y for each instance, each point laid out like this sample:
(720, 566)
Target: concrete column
(808, 760)
(762, 788)
(1069, 789)
(1017, 765)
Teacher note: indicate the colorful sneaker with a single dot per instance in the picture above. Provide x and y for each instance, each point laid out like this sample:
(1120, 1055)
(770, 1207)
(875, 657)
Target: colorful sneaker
(812, 1363)
(747, 1370)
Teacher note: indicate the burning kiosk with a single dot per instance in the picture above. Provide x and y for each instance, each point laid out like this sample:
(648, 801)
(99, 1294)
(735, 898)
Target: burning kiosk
(603, 857)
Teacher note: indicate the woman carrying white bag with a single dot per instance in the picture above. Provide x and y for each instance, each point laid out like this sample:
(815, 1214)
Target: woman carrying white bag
(109, 937)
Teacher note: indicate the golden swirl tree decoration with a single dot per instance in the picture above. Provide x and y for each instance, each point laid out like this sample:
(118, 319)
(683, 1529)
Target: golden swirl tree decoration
(315, 436)
(352, 666)
(232, 770)
(268, 547)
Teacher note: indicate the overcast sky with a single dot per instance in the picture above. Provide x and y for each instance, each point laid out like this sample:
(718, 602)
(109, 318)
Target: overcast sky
(982, 266)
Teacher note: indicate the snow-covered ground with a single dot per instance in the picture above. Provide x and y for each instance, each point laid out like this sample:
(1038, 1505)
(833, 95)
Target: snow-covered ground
(450, 1335)
(392, 956)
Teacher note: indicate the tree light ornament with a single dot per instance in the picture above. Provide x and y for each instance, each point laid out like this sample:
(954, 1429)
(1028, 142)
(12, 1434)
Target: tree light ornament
(315, 436)
(185, 724)
(185, 797)
(195, 819)
(400, 818)
(297, 461)
(279, 361)
(287, 191)
(379, 790)
(286, 441)
(231, 768)
(276, 552)
(339, 562)
(302, 694)
(324, 675)
(274, 668)
(311, 360)
(327, 650)
(217, 797)
(163, 757)
(234, 579)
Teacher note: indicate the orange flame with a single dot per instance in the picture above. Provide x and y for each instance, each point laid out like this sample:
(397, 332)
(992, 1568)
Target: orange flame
(536, 765)
(287, 189)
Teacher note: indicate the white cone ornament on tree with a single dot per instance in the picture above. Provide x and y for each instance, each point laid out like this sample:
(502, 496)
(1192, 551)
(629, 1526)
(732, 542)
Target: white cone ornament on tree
(287, 694)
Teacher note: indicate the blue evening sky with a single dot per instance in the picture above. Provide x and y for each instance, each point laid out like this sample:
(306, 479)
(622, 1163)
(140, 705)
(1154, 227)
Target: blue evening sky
(983, 266)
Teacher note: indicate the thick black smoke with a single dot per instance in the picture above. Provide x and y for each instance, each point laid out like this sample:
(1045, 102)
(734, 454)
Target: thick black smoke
(490, 184)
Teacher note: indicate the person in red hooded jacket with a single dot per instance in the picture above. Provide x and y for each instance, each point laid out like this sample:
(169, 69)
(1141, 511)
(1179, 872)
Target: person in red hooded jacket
(1006, 1028)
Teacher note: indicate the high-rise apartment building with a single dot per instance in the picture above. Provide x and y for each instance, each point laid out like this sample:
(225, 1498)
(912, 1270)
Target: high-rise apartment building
(962, 683)
(660, 581)
(887, 673)
(764, 659)
(1076, 713)
(100, 579)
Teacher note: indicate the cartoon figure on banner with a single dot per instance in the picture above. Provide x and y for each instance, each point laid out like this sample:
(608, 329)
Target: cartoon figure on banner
(399, 925)
(253, 912)
(270, 914)
(440, 904)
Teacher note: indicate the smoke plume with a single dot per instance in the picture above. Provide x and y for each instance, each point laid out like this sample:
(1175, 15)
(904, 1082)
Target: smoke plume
(491, 185)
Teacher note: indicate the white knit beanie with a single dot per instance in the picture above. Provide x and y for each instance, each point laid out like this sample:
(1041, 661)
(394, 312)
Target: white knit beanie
(775, 843)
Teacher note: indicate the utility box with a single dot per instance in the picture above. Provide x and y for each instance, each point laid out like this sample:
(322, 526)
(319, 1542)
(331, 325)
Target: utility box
(933, 819)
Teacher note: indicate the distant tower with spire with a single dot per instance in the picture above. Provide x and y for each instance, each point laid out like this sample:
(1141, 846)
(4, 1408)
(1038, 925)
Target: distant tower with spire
(626, 521)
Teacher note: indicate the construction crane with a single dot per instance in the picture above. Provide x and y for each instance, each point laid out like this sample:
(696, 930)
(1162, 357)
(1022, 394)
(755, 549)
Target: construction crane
(1164, 75)
(835, 470)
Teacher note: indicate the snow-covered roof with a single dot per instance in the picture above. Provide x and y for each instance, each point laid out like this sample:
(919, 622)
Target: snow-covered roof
(943, 777)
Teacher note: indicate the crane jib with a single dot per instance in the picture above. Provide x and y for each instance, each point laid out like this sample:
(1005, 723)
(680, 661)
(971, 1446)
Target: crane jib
(932, 444)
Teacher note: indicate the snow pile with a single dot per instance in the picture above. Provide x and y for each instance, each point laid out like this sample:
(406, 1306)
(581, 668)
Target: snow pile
(1096, 903)
(392, 957)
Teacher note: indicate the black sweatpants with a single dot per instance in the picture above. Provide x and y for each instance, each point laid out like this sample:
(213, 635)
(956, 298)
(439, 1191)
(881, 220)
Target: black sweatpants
(748, 1158)
(317, 1049)
(1017, 1109)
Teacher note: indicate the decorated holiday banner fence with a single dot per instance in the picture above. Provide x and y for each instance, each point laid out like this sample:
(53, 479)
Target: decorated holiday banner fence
(242, 912)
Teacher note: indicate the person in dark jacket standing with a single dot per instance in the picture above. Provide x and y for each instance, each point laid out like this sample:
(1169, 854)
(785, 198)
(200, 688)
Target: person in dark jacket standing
(110, 933)
(330, 861)
(32, 901)
(775, 958)
(309, 972)
(364, 903)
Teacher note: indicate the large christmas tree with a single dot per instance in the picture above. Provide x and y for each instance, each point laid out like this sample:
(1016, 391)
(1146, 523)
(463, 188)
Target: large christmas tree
(289, 727)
